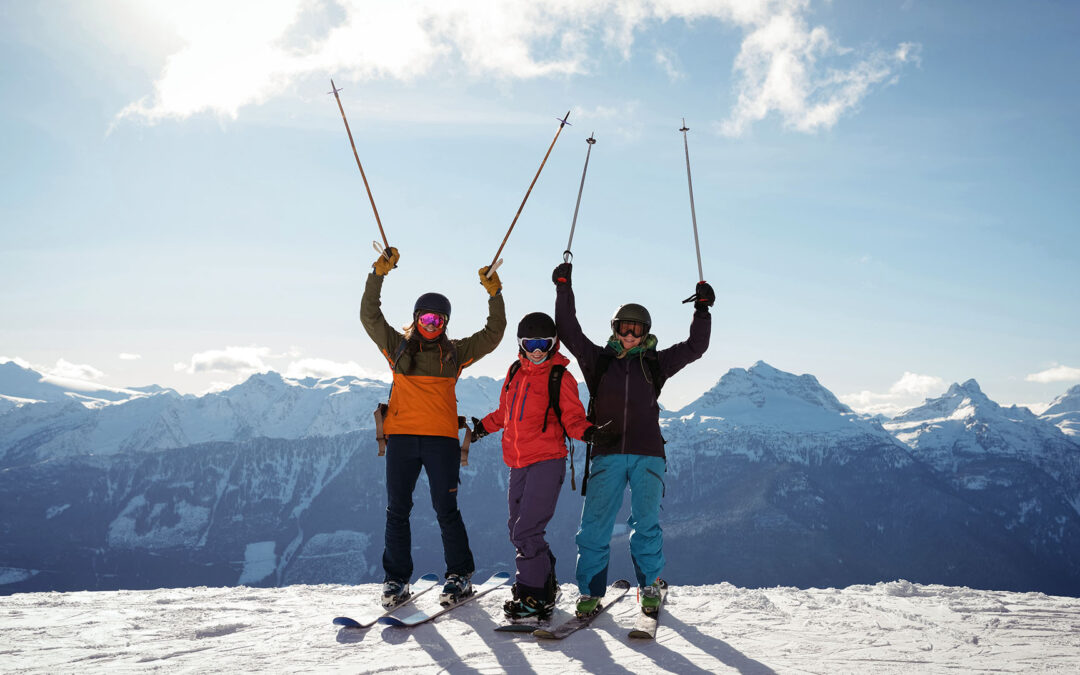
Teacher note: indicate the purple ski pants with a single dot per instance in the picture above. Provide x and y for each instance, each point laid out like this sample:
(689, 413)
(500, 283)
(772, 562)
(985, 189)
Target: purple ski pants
(534, 491)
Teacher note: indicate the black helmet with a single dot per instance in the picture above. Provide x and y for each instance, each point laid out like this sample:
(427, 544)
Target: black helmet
(432, 302)
(632, 312)
(536, 325)
(537, 331)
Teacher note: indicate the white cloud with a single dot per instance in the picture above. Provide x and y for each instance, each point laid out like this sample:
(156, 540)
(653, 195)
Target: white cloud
(66, 369)
(784, 66)
(912, 384)
(22, 363)
(1055, 374)
(904, 394)
(325, 368)
(245, 52)
(668, 60)
(124, 356)
(240, 360)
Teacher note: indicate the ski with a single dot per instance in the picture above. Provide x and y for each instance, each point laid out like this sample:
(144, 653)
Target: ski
(575, 623)
(423, 616)
(645, 626)
(422, 585)
(521, 627)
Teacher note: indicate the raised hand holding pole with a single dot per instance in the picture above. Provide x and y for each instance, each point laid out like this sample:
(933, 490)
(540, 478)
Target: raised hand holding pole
(386, 244)
(494, 261)
(567, 256)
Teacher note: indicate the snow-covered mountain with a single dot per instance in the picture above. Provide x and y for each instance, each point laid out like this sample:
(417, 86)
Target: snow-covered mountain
(266, 405)
(964, 428)
(19, 386)
(1012, 465)
(770, 481)
(1064, 413)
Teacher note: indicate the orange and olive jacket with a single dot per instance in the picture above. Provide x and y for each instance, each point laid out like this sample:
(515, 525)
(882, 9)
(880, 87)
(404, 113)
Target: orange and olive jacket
(422, 400)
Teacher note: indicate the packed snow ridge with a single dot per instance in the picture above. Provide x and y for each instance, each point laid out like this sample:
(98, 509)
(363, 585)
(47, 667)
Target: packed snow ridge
(894, 627)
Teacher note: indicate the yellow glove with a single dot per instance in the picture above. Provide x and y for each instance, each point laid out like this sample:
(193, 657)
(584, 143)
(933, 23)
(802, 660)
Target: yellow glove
(493, 285)
(383, 266)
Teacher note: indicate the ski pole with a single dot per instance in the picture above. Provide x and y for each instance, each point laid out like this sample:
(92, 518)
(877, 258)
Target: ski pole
(562, 123)
(693, 215)
(567, 256)
(386, 244)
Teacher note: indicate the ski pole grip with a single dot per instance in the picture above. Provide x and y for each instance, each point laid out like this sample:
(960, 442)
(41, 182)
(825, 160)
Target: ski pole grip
(491, 270)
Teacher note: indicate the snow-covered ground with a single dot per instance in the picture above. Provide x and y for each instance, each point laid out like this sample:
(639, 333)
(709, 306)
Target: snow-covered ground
(894, 627)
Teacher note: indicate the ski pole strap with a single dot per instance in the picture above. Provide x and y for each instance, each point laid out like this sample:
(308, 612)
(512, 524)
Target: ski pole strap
(380, 414)
(464, 444)
(585, 474)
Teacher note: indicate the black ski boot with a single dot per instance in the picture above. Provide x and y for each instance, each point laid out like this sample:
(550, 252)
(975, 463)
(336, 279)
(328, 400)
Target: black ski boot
(529, 606)
(394, 593)
(457, 588)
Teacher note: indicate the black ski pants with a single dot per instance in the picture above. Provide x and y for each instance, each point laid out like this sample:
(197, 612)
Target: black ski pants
(440, 458)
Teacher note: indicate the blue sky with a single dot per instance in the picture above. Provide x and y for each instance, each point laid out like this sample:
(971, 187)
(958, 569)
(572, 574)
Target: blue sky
(884, 191)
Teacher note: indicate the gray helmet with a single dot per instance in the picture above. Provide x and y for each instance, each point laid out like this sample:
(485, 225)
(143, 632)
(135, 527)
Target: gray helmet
(632, 312)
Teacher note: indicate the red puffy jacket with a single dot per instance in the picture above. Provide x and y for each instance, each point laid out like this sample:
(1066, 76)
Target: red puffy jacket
(522, 407)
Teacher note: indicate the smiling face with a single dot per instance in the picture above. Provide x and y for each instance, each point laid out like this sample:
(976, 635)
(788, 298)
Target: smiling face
(629, 341)
(630, 333)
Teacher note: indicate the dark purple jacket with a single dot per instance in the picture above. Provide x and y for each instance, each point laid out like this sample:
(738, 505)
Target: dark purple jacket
(626, 396)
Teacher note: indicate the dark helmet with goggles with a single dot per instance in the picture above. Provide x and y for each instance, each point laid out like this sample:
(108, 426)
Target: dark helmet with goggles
(625, 318)
(537, 331)
(431, 313)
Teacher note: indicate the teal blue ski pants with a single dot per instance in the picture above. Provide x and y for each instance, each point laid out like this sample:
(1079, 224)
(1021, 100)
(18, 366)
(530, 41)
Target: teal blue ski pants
(608, 477)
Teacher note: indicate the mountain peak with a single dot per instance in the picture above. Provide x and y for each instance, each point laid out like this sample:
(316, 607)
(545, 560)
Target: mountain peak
(763, 386)
(969, 388)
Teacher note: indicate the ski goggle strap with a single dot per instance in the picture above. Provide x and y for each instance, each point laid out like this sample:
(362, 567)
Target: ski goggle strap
(625, 328)
(532, 344)
(431, 320)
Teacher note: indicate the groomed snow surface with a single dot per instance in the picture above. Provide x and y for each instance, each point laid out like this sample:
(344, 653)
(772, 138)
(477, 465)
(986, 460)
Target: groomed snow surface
(895, 627)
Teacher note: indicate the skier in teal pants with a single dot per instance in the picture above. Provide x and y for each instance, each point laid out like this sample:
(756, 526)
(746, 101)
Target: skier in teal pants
(624, 377)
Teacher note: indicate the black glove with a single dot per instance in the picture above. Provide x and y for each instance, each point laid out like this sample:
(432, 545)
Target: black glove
(561, 275)
(478, 431)
(703, 297)
(600, 435)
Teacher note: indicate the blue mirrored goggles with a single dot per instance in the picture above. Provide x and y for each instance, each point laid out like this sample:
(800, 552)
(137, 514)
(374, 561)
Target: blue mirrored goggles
(534, 344)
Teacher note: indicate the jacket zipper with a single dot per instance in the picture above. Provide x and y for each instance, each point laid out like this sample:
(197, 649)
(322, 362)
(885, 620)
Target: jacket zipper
(524, 398)
(626, 405)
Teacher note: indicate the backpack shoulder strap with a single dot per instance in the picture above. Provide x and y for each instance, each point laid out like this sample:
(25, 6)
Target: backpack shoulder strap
(555, 376)
(514, 367)
(652, 360)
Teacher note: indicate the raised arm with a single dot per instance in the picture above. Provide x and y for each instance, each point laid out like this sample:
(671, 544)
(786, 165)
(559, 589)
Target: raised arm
(566, 322)
(678, 356)
(378, 328)
(484, 341)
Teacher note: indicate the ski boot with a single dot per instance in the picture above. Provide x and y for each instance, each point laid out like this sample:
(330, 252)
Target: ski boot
(650, 597)
(457, 588)
(587, 605)
(394, 593)
(526, 608)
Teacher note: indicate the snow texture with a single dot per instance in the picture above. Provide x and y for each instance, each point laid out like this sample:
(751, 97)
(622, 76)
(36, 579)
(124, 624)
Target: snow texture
(896, 627)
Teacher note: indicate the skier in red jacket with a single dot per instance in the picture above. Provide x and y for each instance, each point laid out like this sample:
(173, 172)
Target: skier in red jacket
(534, 447)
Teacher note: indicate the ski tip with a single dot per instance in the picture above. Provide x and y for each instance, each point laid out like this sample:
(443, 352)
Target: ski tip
(642, 635)
(501, 576)
(430, 576)
(621, 583)
(547, 635)
(391, 621)
(346, 622)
